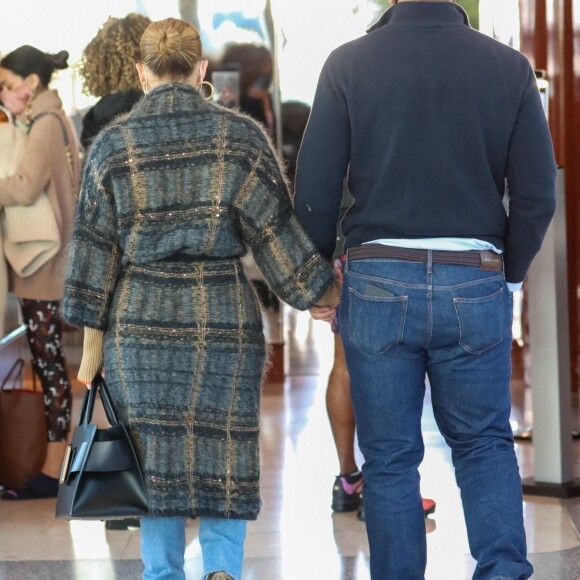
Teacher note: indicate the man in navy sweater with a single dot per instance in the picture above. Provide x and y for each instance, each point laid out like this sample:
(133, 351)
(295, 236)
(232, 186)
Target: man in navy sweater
(431, 120)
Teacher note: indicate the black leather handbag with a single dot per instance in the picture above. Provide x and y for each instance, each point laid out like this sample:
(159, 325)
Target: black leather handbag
(100, 476)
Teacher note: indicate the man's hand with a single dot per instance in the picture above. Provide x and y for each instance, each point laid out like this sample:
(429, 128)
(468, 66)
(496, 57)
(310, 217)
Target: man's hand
(324, 313)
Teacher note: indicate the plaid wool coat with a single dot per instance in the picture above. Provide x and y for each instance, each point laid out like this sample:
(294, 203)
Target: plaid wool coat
(172, 195)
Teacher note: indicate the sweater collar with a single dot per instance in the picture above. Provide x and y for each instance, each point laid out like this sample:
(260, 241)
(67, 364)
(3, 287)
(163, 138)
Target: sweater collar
(179, 91)
(170, 97)
(429, 14)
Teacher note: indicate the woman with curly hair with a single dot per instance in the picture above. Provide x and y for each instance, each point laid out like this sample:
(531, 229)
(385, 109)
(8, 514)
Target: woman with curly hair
(108, 71)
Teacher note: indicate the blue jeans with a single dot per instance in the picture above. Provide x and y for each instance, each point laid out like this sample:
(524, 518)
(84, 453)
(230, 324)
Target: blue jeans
(399, 322)
(163, 546)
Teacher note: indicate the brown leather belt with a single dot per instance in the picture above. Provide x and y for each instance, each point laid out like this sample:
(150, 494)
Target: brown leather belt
(483, 259)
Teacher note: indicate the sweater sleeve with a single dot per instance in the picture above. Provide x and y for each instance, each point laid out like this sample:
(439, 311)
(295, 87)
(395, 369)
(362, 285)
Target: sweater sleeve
(531, 178)
(285, 254)
(94, 254)
(92, 359)
(323, 162)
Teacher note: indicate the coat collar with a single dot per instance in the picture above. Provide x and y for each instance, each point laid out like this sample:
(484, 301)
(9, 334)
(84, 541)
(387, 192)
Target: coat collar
(167, 98)
(434, 14)
(45, 101)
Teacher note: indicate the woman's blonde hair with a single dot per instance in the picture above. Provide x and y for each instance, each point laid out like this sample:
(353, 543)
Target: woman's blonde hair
(108, 61)
(171, 48)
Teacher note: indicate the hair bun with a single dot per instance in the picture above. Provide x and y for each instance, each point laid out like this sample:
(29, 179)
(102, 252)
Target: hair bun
(171, 49)
(59, 59)
(169, 43)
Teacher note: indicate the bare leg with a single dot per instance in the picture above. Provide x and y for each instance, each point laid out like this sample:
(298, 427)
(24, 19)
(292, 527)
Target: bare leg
(348, 484)
(339, 408)
(53, 460)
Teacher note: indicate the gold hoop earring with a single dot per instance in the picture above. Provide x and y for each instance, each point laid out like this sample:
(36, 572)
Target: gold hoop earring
(210, 88)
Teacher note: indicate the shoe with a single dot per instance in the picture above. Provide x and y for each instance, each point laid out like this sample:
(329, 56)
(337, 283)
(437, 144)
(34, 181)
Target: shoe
(346, 492)
(361, 512)
(219, 576)
(124, 524)
(40, 486)
(429, 506)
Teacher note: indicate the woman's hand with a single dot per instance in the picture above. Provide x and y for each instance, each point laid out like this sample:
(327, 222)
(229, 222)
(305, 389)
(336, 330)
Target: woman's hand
(88, 383)
(324, 313)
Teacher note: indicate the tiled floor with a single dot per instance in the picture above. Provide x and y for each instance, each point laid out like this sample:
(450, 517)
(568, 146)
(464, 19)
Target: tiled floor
(296, 536)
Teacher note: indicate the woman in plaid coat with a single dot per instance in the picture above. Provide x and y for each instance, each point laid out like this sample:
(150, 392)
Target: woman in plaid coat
(172, 195)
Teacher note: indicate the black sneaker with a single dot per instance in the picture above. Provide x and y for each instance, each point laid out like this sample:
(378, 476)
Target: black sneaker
(361, 512)
(40, 486)
(346, 492)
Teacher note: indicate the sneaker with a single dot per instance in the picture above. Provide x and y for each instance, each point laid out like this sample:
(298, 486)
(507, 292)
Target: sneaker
(346, 492)
(429, 506)
(40, 486)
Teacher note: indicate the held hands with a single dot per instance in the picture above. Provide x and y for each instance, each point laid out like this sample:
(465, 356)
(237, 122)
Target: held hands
(327, 310)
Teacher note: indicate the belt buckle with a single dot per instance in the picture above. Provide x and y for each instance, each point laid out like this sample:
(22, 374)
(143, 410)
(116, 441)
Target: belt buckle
(490, 261)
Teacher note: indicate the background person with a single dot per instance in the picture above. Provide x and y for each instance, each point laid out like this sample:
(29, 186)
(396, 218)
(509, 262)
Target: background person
(347, 490)
(255, 65)
(107, 70)
(432, 259)
(227, 97)
(46, 166)
(171, 195)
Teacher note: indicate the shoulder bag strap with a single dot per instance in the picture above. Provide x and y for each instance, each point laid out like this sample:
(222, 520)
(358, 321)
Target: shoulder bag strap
(66, 144)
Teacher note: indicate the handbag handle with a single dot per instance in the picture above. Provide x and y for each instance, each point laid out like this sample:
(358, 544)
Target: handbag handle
(17, 367)
(86, 415)
(66, 145)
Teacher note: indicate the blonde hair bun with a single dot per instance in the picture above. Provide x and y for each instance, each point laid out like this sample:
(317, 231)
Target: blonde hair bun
(171, 48)
(169, 43)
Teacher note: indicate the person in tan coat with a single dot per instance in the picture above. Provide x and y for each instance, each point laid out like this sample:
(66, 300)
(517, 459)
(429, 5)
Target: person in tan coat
(50, 164)
(5, 121)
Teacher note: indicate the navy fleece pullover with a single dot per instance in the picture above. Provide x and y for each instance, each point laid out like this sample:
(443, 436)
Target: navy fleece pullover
(431, 119)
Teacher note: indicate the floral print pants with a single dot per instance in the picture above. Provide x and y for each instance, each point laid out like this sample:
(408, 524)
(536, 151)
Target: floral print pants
(44, 333)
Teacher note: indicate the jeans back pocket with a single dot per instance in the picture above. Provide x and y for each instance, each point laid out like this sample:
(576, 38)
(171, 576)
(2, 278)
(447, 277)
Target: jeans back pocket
(481, 321)
(376, 323)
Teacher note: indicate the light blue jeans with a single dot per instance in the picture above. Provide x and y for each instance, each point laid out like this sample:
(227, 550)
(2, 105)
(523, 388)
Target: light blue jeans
(400, 321)
(163, 547)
